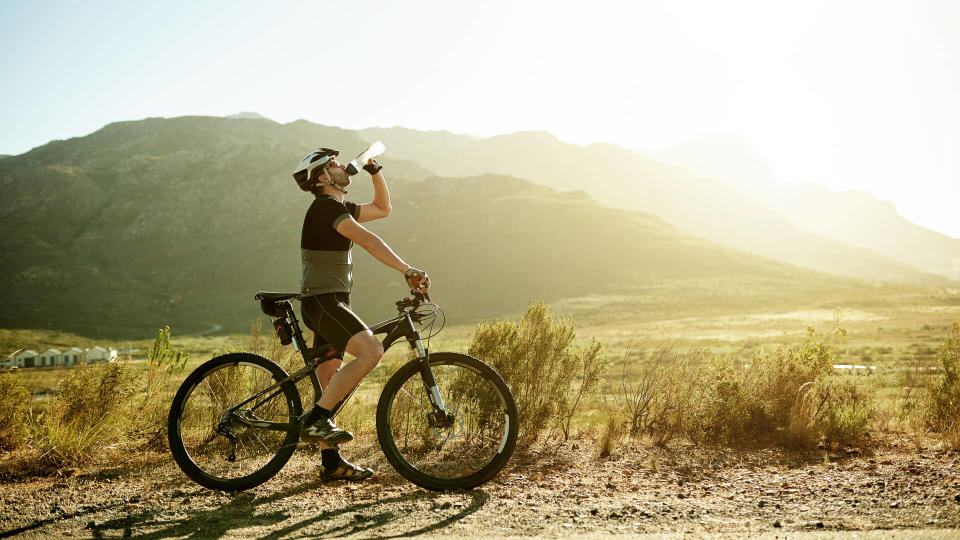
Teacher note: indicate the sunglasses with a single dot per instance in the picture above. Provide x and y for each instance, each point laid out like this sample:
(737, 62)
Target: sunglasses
(330, 163)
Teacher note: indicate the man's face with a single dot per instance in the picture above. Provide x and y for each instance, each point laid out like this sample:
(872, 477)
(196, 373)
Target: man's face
(337, 173)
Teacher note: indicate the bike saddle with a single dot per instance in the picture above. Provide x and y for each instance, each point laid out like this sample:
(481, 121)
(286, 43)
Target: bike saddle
(275, 296)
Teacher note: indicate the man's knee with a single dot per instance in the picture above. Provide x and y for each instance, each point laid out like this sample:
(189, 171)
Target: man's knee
(367, 349)
(373, 355)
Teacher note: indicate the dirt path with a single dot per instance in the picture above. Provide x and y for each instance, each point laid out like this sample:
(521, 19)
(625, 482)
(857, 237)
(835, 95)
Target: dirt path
(638, 491)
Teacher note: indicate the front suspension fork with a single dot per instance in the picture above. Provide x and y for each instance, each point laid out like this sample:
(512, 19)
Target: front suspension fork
(440, 416)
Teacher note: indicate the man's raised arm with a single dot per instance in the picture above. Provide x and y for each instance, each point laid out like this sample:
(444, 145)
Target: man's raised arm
(380, 207)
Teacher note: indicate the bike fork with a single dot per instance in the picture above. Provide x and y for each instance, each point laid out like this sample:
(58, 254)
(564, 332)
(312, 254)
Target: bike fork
(440, 417)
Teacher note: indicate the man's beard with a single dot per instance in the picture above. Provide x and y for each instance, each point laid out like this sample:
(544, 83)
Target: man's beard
(343, 180)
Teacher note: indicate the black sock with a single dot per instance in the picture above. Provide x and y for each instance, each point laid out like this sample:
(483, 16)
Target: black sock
(330, 458)
(315, 414)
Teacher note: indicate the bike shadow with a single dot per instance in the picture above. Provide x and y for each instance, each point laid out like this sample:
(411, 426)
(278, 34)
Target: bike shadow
(240, 513)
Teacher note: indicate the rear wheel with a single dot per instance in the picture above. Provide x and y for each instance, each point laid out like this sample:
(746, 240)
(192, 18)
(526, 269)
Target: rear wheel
(209, 441)
(460, 449)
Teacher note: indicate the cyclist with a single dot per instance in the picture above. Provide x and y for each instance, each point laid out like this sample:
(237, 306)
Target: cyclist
(330, 228)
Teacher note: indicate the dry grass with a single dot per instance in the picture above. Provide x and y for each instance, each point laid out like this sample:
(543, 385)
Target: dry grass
(944, 404)
(95, 407)
(90, 411)
(784, 397)
(14, 409)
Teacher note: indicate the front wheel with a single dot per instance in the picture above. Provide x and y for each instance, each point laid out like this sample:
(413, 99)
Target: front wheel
(460, 449)
(212, 427)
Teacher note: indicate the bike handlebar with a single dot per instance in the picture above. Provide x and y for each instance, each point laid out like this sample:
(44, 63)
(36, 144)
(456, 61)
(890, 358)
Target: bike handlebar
(417, 299)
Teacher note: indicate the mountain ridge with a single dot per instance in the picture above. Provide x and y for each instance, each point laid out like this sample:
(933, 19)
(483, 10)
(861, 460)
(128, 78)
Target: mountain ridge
(179, 221)
(621, 178)
(855, 217)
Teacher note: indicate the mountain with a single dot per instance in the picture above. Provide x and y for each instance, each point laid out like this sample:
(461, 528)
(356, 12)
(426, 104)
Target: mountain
(179, 221)
(624, 179)
(248, 115)
(860, 219)
(852, 217)
(723, 157)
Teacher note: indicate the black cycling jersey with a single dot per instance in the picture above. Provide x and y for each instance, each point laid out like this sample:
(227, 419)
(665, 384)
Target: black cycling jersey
(327, 265)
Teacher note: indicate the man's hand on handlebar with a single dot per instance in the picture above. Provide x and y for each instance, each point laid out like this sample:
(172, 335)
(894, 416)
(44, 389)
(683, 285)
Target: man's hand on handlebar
(417, 280)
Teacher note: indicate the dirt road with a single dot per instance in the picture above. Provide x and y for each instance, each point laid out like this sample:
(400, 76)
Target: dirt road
(896, 492)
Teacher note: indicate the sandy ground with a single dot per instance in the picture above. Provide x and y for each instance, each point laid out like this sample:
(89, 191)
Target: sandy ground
(897, 491)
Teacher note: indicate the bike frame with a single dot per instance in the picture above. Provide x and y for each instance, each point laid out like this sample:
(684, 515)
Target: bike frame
(400, 326)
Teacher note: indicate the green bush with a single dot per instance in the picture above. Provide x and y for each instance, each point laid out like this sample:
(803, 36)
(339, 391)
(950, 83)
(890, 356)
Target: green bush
(548, 375)
(14, 409)
(944, 404)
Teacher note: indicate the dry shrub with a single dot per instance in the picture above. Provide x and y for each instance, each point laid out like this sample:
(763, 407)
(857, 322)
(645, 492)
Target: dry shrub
(612, 431)
(846, 415)
(14, 410)
(784, 397)
(99, 405)
(944, 402)
(548, 375)
(90, 411)
(649, 401)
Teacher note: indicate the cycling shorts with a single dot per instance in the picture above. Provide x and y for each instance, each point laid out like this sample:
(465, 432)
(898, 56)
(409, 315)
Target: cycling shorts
(330, 318)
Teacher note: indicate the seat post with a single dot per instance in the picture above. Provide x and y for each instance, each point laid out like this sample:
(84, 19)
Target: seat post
(298, 340)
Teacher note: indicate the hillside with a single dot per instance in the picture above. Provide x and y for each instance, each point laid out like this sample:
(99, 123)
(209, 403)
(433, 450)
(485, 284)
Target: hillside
(858, 218)
(853, 217)
(180, 221)
(621, 178)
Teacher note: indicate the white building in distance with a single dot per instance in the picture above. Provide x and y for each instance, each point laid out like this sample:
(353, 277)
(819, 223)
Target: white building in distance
(54, 357)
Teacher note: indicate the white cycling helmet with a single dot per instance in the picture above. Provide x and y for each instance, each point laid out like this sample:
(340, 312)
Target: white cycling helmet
(307, 174)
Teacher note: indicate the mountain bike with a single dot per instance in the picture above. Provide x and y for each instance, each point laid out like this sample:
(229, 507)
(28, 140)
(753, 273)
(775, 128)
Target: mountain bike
(444, 420)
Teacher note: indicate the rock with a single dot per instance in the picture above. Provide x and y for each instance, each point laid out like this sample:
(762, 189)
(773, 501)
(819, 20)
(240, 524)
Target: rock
(446, 505)
(895, 504)
(762, 503)
(611, 486)
(777, 525)
(681, 496)
(818, 525)
(594, 511)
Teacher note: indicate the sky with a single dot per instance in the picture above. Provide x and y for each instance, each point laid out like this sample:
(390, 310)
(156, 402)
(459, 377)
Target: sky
(858, 95)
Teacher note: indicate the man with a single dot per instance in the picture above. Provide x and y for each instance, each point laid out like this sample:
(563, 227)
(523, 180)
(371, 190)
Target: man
(330, 229)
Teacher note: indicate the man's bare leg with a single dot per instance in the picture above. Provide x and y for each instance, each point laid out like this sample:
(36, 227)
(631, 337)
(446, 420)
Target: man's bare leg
(368, 352)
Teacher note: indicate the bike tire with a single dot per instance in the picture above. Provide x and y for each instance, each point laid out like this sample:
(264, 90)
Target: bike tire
(490, 459)
(203, 475)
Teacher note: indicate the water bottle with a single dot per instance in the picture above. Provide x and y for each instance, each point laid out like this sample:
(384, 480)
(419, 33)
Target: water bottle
(371, 152)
